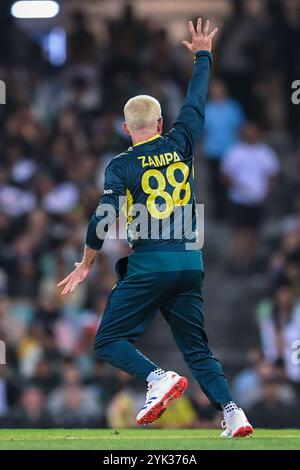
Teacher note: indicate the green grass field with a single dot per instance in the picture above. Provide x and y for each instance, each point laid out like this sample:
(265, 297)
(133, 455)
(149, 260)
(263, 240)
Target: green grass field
(149, 439)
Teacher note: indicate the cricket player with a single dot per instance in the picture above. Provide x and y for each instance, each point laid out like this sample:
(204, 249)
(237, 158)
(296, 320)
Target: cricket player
(163, 273)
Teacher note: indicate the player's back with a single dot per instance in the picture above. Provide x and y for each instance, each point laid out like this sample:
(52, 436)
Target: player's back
(156, 176)
(160, 194)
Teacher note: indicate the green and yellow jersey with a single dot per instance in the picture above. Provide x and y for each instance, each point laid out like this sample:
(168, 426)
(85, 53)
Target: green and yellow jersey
(157, 175)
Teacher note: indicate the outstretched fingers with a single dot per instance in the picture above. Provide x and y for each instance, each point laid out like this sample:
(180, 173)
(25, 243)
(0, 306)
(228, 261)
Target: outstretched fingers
(206, 28)
(188, 45)
(73, 287)
(192, 29)
(70, 287)
(64, 281)
(213, 33)
(199, 30)
(199, 26)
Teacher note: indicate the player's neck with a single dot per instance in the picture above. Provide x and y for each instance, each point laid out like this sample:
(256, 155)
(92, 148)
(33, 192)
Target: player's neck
(143, 136)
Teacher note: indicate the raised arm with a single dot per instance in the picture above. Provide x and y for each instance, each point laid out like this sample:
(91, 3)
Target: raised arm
(188, 127)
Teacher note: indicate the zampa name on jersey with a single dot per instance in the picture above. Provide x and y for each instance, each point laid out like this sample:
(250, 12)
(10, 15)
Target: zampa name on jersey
(159, 160)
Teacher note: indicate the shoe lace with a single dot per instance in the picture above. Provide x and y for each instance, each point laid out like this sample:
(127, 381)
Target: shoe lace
(223, 424)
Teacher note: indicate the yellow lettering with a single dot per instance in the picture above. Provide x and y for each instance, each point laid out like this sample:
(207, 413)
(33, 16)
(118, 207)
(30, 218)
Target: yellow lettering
(176, 157)
(168, 157)
(150, 161)
(159, 160)
(144, 163)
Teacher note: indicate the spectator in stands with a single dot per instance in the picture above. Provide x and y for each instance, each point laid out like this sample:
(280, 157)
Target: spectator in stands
(73, 404)
(9, 391)
(289, 36)
(241, 47)
(81, 41)
(207, 416)
(274, 411)
(247, 385)
(46, 378)
(223, 120)
(76, 407)
(279, 327)
(124, 404)
(31, 412)
(249, 170)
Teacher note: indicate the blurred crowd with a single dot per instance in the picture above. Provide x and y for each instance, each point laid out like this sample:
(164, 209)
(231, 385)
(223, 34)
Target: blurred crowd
(60, 128)
(270, 387)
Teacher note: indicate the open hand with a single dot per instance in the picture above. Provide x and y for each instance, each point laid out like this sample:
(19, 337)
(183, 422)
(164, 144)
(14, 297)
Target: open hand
(201, 41)
(74, 278)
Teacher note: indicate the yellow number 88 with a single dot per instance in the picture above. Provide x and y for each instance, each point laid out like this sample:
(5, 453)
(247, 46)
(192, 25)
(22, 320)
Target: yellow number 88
(169, 200)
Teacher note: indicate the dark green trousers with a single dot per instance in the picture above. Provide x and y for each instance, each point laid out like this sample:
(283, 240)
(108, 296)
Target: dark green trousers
(171, 283)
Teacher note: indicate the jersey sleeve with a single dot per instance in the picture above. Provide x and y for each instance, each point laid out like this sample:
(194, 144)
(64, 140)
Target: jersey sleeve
(188, 127)
(108, 209)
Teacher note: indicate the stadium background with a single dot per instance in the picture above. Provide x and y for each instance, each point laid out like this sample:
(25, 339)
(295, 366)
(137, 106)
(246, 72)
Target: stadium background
(66, 81)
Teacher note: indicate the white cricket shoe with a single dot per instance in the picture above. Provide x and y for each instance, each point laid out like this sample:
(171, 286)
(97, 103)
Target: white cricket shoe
(237, 425)
(159, 395)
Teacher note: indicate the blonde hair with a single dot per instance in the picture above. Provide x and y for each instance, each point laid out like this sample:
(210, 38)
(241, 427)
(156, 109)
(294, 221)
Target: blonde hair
(142, 112)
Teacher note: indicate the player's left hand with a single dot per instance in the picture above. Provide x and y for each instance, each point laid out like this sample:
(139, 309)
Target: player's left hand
(74, 278)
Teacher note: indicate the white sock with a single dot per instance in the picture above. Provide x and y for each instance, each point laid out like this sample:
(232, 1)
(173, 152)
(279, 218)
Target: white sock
(156, 374)
(229, 409)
